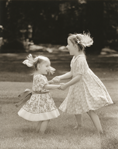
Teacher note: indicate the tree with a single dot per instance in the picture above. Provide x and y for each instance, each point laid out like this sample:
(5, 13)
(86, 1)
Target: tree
(94, 24)
(2, 12)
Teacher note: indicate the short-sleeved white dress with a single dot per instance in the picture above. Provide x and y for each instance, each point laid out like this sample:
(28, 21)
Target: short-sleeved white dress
(40, 106)
(89, 93)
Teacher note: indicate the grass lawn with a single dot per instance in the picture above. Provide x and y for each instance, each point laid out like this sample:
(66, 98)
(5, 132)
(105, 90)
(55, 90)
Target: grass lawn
(17, 133)
(12, 69)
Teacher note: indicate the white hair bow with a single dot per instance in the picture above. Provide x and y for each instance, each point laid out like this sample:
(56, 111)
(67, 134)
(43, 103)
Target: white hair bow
(29, 61)
(85, 40)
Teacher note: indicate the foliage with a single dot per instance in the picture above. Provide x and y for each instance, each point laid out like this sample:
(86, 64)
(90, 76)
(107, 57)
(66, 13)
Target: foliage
(14, 46)
(111, 24)
(52, 21)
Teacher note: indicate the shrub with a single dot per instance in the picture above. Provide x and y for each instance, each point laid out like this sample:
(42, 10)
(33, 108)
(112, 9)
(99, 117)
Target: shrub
(14, 46)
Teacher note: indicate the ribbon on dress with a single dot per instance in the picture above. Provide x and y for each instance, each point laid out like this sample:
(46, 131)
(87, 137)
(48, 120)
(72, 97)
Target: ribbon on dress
(25, 96)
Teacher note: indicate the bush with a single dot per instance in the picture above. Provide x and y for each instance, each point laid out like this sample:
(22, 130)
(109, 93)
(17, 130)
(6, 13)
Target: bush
(14, 46)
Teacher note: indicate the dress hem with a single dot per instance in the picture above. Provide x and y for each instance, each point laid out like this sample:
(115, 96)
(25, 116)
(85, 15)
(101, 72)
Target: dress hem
(38, 117)
(94, 109)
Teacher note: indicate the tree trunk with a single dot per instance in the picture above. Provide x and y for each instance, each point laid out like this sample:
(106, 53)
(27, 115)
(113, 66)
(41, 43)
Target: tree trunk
(2, 12)
(95, 25)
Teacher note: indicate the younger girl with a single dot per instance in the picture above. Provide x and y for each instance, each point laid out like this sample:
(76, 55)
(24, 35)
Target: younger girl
(86, 93)
(40, 107)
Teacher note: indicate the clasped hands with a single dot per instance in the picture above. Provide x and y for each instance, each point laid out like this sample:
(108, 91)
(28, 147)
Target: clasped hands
(62, 86)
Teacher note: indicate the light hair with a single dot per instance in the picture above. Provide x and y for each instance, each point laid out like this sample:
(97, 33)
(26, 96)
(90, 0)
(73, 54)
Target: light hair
(39, 59)
(82, 40)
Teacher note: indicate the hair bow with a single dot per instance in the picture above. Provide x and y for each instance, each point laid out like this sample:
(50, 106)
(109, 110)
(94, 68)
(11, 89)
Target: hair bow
(29, 61)
(85, 40)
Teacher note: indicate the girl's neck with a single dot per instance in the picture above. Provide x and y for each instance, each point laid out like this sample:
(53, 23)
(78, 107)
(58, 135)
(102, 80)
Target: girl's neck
(37, 72)
(79, 53)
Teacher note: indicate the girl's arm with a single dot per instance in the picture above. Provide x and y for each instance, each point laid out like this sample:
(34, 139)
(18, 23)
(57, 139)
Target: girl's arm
(51, 86)
(58, 78)
(66, 76)
(71, 82)
(50, 82)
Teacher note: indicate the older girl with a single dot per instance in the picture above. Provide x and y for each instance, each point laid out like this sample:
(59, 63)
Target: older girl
(86, 92)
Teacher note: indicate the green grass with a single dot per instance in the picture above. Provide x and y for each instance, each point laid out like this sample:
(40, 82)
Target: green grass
(12, 69)
(17, 133)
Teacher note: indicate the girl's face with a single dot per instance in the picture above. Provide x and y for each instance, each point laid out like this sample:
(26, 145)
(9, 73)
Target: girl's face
(71, 47)
(43, 67)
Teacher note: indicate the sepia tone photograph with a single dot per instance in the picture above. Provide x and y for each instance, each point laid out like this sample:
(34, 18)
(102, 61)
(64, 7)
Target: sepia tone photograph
(58, 74)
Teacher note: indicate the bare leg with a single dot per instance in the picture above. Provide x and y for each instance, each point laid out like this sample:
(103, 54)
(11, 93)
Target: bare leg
(43, 126)
(78, 120)
(94, 117)
(38, 126)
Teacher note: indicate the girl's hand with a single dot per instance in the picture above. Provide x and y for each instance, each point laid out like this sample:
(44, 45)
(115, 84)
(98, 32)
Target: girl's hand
(63, 86)
(51, 82)
(59, 87)
(56, 79)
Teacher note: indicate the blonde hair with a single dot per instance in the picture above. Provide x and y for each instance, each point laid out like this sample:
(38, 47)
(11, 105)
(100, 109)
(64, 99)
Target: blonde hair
(82, 40)
(32, 61)
(40, 59)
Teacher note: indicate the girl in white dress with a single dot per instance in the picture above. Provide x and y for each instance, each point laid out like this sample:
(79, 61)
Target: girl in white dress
(86, 92)
(40, 107)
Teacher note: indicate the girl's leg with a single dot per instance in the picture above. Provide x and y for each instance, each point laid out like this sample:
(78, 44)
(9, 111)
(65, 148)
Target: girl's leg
(38, 126)
(43, 126)
(78, 120)
(94, 117)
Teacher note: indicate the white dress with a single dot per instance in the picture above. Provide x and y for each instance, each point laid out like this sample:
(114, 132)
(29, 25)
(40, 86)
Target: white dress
(89, 93)
(40, 106)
